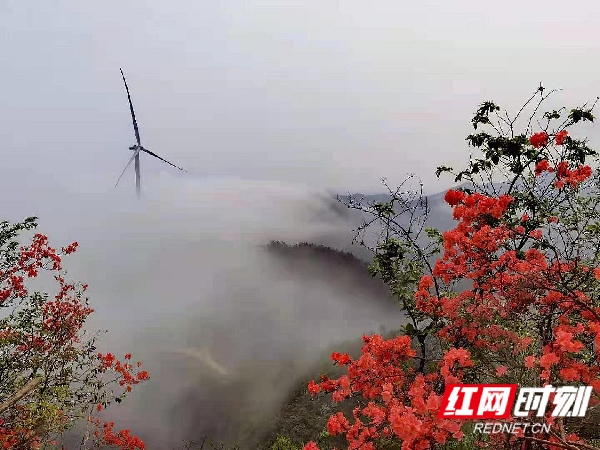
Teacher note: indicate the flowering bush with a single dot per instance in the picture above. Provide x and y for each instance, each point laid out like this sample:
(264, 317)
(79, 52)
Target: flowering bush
(51, 375)
(511, 294)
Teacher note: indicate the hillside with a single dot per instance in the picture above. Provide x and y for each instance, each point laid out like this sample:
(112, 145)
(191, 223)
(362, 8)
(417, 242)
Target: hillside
(302, 417)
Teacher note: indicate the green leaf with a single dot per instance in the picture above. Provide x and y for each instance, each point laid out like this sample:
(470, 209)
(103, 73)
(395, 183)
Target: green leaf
(442, 169)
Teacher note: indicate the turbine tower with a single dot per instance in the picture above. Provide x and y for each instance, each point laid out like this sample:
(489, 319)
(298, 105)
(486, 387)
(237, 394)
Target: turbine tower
(138, 147)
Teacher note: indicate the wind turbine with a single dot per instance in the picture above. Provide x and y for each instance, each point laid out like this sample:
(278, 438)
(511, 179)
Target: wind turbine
(138, 147)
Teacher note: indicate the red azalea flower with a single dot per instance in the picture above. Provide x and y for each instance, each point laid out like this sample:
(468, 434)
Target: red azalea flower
(560, 137)
(539, 139)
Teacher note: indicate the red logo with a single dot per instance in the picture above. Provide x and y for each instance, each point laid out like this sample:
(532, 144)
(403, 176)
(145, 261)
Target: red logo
(478, 401)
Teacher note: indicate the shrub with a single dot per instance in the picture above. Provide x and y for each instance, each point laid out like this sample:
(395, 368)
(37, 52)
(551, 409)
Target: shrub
(511, 294)
(51, 375)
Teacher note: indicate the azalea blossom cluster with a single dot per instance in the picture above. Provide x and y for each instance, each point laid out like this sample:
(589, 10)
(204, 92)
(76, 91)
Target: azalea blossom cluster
(530, 317)
(125, 370)
(563, 174)
(123, 439)
(541, 139)
(14, 437)
(507, 288)
(401, 402)
(31, 259)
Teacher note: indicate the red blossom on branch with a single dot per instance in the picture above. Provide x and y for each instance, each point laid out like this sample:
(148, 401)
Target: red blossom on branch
(560, 137)
(539, 139)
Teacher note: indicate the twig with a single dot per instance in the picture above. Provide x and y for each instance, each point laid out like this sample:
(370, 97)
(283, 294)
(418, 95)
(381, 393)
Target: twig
(570, 446)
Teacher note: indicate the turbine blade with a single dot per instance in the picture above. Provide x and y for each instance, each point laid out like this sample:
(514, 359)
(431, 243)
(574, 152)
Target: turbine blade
(136, 153)
(135, 125)
(162, 159)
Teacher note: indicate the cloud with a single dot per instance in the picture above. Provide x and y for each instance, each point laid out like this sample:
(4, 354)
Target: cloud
(181, 279)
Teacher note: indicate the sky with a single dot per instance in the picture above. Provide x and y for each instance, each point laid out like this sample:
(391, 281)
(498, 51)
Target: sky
(327, 94)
